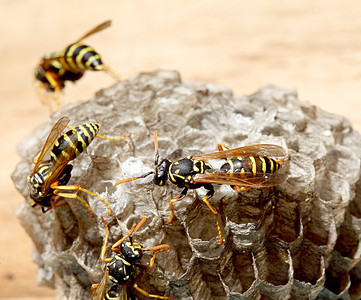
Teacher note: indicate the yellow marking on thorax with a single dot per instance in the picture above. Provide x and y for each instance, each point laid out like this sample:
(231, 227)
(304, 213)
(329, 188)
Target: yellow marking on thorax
(195, 168)
(53, 155)
(254, 165)
(264, 166)
(69, 57)
(230, 162)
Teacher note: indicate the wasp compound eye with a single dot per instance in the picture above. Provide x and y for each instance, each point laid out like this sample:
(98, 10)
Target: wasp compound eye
(161, 172)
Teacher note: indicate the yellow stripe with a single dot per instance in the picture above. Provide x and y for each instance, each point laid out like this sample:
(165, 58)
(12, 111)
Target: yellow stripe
(170, 173)
(80, 138)
(254, 166)
(264, 166)
(231, 170)
(70, 143)
(80, 56)
(92, 130)
(81, 127)
(271, 164)
(69, 58)
(53, 155)
(90, 61)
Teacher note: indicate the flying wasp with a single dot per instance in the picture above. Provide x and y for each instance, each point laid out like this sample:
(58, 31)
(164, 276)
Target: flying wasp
(253, 166)
(49, 178)
(120, 269)
(69, 64)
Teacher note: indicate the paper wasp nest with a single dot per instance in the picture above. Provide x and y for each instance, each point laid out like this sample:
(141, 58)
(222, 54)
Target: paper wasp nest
(298, 240)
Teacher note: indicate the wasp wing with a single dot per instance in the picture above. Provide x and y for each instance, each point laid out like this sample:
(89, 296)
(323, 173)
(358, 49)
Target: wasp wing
(67, 154)
(268, 150)
(52, 137)
(96, 29)
(124, 293)
(257, 180)
(99, 293)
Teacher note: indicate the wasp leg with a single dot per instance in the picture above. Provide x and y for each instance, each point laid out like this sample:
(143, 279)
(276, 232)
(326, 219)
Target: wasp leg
(113, 139)
(94, 287)
(59, 188)
(213, 210)
(157, 250)
(104, 247)
(149, 295)
(54, 204)
(106, 138)
(179, 197)
(240, 189)
(44, 99)
(221, 146)
(56, 87)
(75, 196)
(112, 73)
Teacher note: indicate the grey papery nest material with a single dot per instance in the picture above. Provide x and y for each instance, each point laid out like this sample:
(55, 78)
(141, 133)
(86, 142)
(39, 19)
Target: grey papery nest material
(298, 240)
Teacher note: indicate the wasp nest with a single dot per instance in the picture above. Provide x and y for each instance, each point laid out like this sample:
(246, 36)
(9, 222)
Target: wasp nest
(298, 240)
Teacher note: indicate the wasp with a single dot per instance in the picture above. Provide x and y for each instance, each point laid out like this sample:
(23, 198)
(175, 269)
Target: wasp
(69, 64)
(253, 166)
(120, 269)
(49, 178)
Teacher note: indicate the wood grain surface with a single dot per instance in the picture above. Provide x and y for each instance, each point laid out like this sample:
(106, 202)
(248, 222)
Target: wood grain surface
(312, 46)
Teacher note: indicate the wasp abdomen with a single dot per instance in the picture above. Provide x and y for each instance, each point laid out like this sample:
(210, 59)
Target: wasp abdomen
(120, 270)
(251, 164)
(72, 143)
(79, 57)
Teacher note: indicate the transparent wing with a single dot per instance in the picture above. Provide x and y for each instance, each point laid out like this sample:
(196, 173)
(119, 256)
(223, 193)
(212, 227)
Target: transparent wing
(268, 150)
(52, 137)
(96, 29)
(242, 179)
(61, 162)
(101, 289)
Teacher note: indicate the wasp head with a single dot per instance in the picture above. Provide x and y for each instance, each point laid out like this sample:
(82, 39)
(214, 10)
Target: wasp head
(132, 252)
(161, 172)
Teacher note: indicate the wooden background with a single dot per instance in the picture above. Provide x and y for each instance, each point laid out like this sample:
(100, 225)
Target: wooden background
(313, 46)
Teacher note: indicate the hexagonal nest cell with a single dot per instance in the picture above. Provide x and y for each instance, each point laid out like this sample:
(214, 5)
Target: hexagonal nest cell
(296, 240)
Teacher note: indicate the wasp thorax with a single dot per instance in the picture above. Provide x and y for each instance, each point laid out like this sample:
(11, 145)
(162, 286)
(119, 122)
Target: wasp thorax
(161, 172)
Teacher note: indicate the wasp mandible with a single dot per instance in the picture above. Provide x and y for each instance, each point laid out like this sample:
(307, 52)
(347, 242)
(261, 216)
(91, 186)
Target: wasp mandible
(253, 166)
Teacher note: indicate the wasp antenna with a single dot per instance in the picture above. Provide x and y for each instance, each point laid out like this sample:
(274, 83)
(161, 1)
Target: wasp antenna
(156, 148)
(159, 248)
(133, 178)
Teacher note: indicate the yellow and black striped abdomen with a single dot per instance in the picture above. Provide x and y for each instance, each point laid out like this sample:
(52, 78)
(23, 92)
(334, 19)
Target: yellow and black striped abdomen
(251, 164)
(79, 57)
(72, 143)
